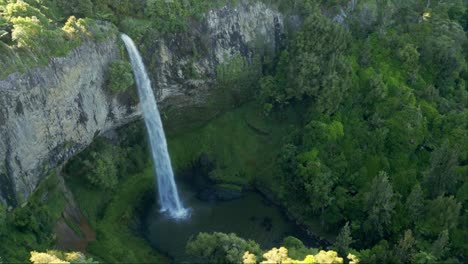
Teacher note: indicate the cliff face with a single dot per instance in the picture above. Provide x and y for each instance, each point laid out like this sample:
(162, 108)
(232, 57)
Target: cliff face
(49, 114)
(183, 66)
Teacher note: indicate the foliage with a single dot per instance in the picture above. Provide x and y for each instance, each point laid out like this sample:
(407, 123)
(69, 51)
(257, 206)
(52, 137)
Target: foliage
(54, 256)
(316, 179)
(405, 248)
(441, 213)
(30, 227)
(111, 212)
(296, 249)
(30, 34)
(31, 31)
(79, 8)
(379, 205)
(415, 204)
(280, 255)
(119, 76)
(78, 30)
(441, 178)
(402, 113)
(23, 9)
(239, 76)
(39, 258)
(343, 240)
(314, 66)
(172, 16)
(220, 248)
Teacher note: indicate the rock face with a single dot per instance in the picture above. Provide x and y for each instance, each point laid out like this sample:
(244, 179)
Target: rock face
(49, 114)
(183, 66)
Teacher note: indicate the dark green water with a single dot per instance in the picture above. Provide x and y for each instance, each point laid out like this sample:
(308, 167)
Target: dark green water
(250, 217)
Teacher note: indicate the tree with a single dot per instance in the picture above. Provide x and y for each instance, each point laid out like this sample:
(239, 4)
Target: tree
(45, 258)
(317, 133)
(59, 257)
(409, 55)
(316, 181)
(30, 34)
(379, 205)
(287, 158)
(319, 69)
(22, 9)
(78, 8)
(343, 241)
(442, 176)
(103, 171)
(415, 204)
(404, 250)
(440, 246)
(280, 256)
(377, 90)
(441, 213)
(423, 257)
(442, 50)
(314, 67)
(221, 248)
(296, 248)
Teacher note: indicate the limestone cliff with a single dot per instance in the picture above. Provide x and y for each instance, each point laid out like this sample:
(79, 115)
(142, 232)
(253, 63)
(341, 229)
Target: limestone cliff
(50, 113)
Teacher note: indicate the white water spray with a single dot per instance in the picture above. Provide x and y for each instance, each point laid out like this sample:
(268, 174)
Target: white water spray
(168, 195)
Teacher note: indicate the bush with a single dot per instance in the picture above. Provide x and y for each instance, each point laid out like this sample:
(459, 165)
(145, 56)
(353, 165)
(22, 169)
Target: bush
(119, 76)
(103, 169)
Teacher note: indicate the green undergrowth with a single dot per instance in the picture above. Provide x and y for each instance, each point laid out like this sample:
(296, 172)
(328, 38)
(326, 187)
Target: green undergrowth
(233, 140)
(30, 226)
(111, 213)
(109, 181)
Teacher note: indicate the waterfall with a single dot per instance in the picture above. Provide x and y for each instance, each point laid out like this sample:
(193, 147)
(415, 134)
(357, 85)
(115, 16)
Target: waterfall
(168, 195)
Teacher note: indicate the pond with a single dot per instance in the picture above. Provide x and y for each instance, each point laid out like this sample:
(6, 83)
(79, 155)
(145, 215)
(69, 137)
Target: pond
(250, 217)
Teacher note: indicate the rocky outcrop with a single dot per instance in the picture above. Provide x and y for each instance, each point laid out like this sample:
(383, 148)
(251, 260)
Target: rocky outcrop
(49, 114)
(183, 66)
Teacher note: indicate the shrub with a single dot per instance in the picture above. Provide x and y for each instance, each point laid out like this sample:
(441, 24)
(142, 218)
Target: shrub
(119, 76)
(103, 169)
(30, 34)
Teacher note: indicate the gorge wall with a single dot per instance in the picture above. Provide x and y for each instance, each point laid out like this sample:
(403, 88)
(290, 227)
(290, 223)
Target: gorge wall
(49, 114)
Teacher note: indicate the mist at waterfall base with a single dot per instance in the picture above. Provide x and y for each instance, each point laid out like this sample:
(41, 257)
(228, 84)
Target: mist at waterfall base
(168, 195)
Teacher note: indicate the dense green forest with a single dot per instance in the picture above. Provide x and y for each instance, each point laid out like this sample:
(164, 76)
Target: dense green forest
(366, 117)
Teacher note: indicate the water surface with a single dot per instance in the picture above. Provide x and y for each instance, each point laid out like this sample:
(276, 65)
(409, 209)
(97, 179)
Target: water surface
(250, 217)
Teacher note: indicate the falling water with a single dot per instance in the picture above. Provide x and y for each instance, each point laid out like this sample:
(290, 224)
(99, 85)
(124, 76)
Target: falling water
(168, 195)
